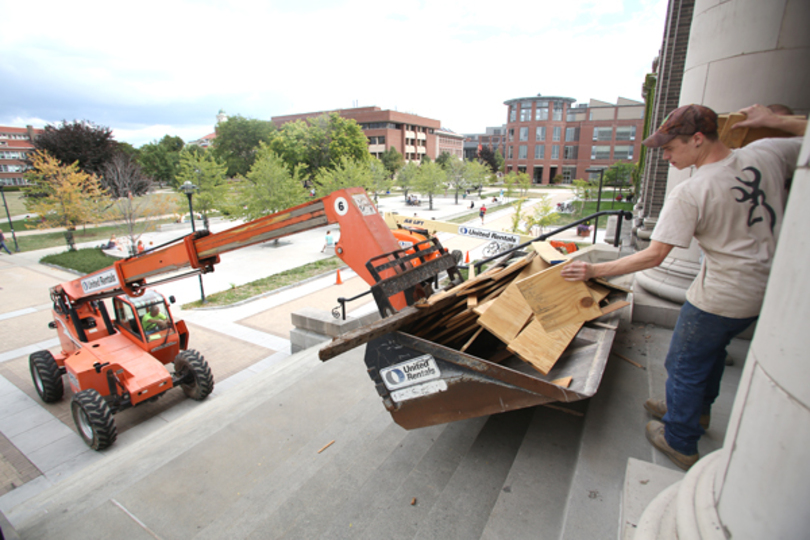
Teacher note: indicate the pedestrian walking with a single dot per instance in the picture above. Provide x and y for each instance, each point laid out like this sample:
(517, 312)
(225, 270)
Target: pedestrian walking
(3, 243)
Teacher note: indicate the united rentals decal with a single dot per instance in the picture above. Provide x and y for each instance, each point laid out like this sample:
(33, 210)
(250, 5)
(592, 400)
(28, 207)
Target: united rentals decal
(97, 282)
(486, 234)
(418, 370)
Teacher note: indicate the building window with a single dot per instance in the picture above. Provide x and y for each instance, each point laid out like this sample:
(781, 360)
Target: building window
(626, 133)
(571, 115)
(524, 134)
(510, 152)
(522, 151)
(570, 152)
(540, 152)
(511, 134)
(603, 133)
(555, 152)
(571, 134)
(558, 108)
(541, 111)
(512, 114)
(540, 133)
(622, 152)
(594, 175)
(526, 111)
(557, 133)
(600, 151)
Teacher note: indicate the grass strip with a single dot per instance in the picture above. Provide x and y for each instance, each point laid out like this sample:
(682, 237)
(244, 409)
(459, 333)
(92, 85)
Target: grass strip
(85, 260)
(270, 283)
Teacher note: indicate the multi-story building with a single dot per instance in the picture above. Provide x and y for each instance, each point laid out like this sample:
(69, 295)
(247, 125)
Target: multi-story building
(550, 138)
(15, 145)
(449, 141)
(413, 136)
(494, 138)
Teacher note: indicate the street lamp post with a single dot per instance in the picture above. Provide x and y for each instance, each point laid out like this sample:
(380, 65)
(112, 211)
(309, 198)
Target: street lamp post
(10, 223)
(598, 199)
(188, 188)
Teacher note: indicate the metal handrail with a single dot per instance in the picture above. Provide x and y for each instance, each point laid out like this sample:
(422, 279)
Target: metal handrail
(339, 312)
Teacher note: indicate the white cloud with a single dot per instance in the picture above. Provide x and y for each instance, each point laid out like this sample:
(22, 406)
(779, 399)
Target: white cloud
(172, 64)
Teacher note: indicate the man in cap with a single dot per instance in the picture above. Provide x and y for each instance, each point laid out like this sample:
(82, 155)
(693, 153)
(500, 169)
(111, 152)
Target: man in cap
(732, 205)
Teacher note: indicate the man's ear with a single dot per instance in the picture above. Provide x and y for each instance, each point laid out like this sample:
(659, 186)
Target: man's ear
(699, 138)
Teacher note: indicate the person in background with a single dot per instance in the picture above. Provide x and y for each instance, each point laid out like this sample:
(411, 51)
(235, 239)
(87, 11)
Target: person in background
(3, 243)
(329, 242)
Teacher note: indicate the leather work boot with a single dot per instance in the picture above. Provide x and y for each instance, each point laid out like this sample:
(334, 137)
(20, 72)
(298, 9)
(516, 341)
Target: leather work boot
(658, 408)
(655, 434)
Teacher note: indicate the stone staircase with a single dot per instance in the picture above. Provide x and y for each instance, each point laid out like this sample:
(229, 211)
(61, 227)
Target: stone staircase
(256, 462)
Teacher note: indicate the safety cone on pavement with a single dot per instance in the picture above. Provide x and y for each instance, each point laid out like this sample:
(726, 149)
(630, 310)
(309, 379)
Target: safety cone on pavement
(467, 258)
(338, 281)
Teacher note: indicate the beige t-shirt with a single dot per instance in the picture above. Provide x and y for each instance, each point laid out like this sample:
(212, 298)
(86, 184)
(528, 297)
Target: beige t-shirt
(734, 210)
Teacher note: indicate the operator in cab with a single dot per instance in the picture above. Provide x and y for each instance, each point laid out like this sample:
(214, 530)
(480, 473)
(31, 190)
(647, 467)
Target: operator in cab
(154, 320)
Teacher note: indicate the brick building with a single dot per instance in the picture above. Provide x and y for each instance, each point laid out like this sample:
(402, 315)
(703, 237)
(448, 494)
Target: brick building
(547, 136)
(450, 142)
(494, 138)
(413, 136)
(15, 145)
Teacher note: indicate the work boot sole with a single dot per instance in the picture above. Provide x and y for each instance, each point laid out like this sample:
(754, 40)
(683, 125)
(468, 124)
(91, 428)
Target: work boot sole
(657, 408)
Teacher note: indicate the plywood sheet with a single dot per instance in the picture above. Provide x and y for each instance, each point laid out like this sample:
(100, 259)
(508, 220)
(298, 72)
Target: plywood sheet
(507, 314)
(540, 348)
(565, 382)
(549, 253)
(556, 302)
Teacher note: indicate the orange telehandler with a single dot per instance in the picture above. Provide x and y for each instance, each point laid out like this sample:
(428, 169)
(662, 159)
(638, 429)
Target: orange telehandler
(114, 363)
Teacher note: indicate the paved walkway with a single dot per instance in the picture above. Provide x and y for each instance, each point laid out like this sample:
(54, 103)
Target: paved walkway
(38, 444)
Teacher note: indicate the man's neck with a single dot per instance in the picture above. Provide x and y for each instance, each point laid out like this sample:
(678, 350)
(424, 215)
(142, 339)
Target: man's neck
(714, 151)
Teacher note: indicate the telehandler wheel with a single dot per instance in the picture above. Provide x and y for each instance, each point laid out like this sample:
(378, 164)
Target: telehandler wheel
(94, 419)
(47, 376)
(192, 367)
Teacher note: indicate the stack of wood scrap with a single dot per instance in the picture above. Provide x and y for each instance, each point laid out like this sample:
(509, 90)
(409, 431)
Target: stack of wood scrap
(531, 310)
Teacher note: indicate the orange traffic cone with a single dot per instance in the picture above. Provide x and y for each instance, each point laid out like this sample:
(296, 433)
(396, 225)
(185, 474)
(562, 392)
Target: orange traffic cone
(339, 281)
(467, 258)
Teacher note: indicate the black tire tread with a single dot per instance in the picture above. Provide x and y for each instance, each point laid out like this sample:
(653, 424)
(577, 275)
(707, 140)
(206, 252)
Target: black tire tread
(203, 378)
(49, 373)
(100, 417)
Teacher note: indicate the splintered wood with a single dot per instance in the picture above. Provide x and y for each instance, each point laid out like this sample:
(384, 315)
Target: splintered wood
(527, 306)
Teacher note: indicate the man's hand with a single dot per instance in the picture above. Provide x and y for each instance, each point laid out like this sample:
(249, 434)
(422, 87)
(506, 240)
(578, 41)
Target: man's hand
(759, 116)
(577, 271)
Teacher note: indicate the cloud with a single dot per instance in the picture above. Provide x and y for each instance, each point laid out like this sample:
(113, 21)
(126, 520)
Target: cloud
(173, 64)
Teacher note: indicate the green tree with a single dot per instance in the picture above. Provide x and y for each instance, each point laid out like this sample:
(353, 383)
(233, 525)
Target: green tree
(582, 192)
(392, 160)
(209, 175)
(320, 143)
(380, 181)
(544, 215)
(348, 173)
(456, 170)
(478, 175)
(619, 174)
(517, 181)
(268, 188)
(431, 180)
(66, 196)
(444, 159)
(499, 160)
(490, 157)
(238, 140)
(160, 159)
(407, 177)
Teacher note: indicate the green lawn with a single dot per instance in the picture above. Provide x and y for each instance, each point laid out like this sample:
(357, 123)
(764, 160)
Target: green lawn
(82, 260)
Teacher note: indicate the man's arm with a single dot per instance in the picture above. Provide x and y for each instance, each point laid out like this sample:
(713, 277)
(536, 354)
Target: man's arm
(759, 116)
(650, 257)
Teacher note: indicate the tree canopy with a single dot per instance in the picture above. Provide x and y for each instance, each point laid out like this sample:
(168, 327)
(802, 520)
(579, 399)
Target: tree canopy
(492, 158)
(392, 160)
(320, 143)
(81, 142)
(237, 141)
(160, 159)
(123, 177)
(406, 178)
(431, 180)
(348, 173)
(208, 174)
(268, 187)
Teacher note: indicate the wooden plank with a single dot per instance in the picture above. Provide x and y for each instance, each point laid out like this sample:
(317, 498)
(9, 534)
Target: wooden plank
(472, 339)
(611, 285)
(598, 292)
(472, 301)
(565, 382)
(540, 348)
(549, 253)
(610, 308)
(484, 306)
(556, 302)
(506, 315)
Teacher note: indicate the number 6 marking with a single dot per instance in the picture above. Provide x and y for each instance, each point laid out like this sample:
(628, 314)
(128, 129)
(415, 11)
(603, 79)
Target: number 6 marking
(341, 206)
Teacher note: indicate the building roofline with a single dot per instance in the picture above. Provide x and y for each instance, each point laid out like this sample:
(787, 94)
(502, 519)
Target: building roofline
(541, 97)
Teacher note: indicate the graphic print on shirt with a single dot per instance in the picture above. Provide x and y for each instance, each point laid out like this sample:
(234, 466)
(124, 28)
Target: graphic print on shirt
(757, 198)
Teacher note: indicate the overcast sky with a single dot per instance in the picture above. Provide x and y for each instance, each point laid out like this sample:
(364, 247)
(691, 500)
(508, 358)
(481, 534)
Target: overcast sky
(151, 68)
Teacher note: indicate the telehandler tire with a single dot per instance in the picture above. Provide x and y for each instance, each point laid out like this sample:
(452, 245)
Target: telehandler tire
(191, 365)
(47, 376)
(94, 419)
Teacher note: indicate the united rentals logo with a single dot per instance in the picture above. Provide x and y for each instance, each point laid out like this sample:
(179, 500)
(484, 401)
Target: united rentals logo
(486, 234)
(102, 280)
(417, 370)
